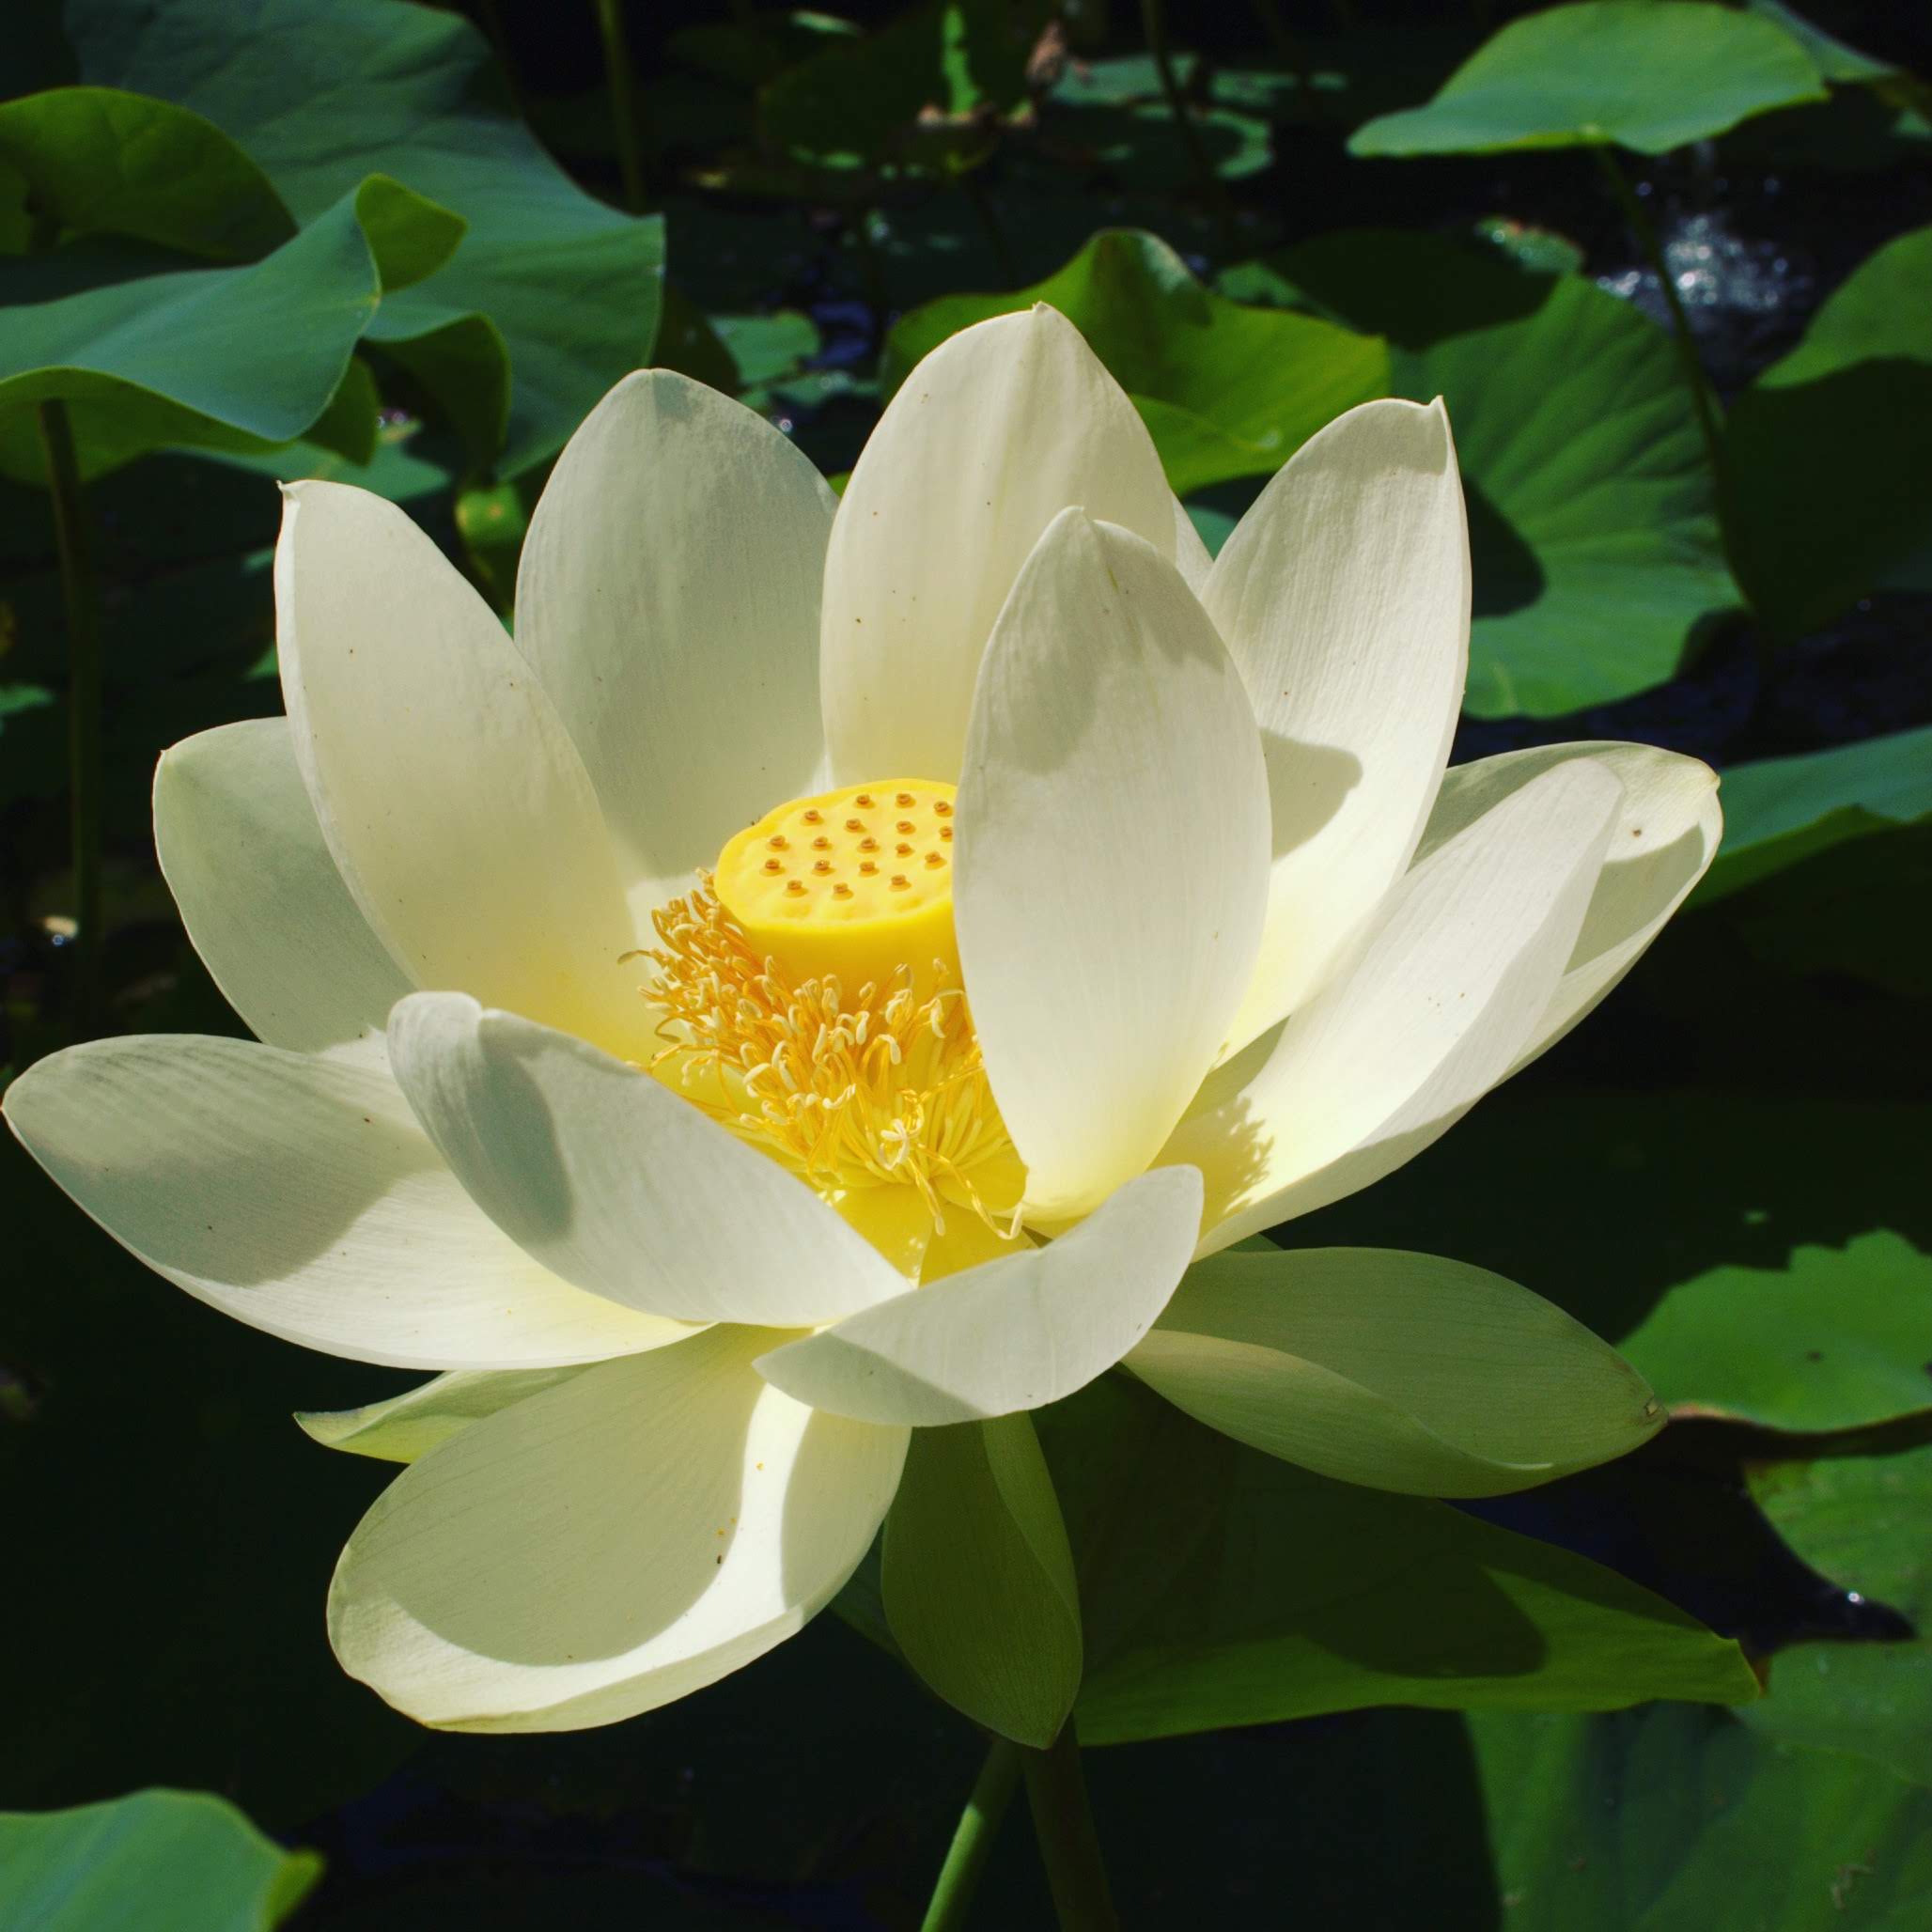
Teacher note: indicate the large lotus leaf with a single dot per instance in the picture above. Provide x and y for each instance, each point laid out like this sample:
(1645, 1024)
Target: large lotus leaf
(1827, 864)
(164, 1860)
(1685, 1820)
(321, 91)
(96, 161)
(1860, 1520)
(1829, 492)
(1600, 549)
(1833, 58)
(1648, 75)
(1591, 520)
(1837, 1338)
(1796, 1230)
(1780, 811)
(1226, 390)
(1222, 1587)
(146, 354)
(1860, 911)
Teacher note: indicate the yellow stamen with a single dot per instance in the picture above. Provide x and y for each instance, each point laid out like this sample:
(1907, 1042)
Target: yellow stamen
(849, 1088)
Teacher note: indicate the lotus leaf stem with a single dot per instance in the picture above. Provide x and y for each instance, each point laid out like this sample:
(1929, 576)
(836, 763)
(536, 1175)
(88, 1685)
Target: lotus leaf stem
(1064, 1825)
(972, 1841)
(83, 605)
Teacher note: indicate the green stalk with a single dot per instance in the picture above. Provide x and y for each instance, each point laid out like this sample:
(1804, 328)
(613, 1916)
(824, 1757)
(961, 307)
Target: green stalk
(499, 39)
(1154, 26)
(974, 191)
(1644, 231)
(82, 604)
(1291, 51)
(610, 23)
(973, 1841)
(1056, 1790)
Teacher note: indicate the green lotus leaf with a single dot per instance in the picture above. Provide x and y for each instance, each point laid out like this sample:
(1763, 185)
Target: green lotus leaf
(1226, 390)
(1648, 75)
(319, 92)
(1593, 521)
(1858, 1520)
(1829, 492)
(1678, 1819)
(1780, 811)
(1222, 1587)
(147, 353)
(96, 160)
(165, 1861)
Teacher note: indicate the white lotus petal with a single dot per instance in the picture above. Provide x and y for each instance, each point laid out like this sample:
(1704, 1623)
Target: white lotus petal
(1429, 1014)
(986, 442)
(613, 1180)
(261, 897)
(1344, 596)
(609, 1545)
(457, 811)
(1192, 557)
(1112, 858)
(298, 1194)
(1010, 1335)
(668, 601)
(1661, 847)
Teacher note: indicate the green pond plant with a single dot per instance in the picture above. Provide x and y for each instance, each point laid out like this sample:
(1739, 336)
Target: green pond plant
(851, 972)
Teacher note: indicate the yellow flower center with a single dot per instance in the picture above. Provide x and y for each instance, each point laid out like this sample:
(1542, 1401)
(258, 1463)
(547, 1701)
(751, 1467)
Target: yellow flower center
(810, 1001)
(856, 882)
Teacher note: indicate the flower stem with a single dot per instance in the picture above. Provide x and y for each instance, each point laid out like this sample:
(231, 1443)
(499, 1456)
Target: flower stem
(1644, 233)
(1154, 26)
(982, 204)
(1056, 1790)
(83, 707)
(973, 1841)
(498, 37)
(616, 52)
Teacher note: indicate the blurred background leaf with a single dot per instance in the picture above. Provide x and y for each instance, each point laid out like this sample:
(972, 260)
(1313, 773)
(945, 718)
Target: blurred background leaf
(166, 1860)
(147, 355)
(1592, 515)
(323, 91)
(1861, 1518)
(96, 160)
(1646, 76)
(1675, 1819)
(1227, 390)
(1784, 810)
(1829, 487)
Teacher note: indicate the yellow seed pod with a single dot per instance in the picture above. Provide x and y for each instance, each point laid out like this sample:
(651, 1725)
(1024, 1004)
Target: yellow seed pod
(806, 886)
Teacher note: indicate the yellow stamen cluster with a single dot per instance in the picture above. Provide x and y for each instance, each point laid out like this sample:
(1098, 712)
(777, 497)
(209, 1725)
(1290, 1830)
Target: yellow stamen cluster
(883, 1085)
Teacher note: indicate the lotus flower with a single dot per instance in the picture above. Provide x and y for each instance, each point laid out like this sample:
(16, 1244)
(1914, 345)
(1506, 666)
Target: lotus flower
(832, 975)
